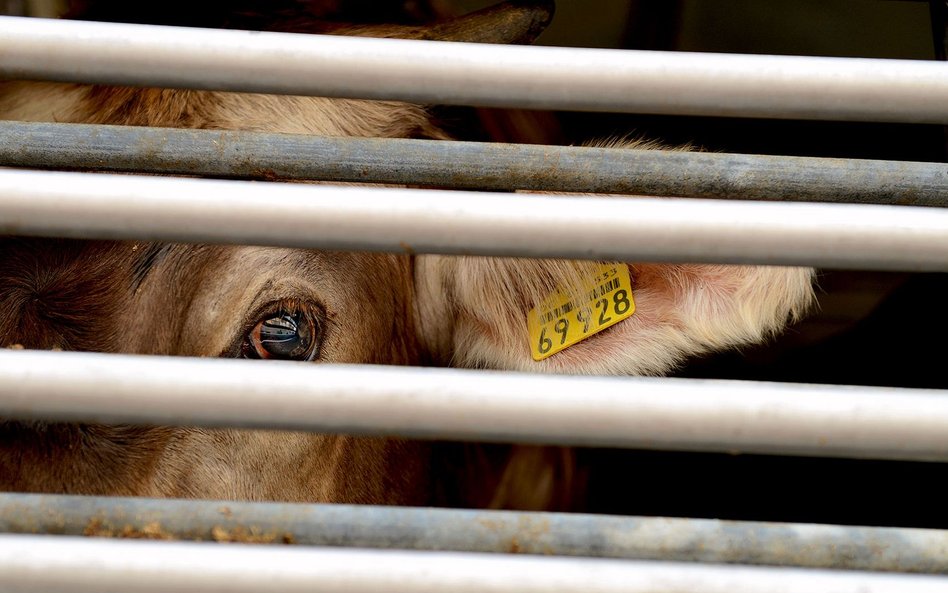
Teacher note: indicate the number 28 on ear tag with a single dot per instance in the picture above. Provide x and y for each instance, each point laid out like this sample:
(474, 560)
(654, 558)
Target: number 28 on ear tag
(559, 322)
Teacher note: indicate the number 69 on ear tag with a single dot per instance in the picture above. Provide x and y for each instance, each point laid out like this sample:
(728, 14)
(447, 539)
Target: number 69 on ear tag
(559, 322)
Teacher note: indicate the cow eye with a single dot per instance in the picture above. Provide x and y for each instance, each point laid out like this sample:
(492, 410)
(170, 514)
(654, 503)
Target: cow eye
(291, 332)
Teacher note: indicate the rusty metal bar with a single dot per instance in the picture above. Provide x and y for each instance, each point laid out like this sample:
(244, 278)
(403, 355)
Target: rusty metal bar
(54, 564)
(470, 165)
(637, 412)
(645, 538)
(101, 206)
(476, 74)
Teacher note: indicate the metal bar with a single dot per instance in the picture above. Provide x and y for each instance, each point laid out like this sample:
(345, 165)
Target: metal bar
(52, 564)
(650, 413)
(476, 74)
(646, 538)
(471, 165)
(85, 205)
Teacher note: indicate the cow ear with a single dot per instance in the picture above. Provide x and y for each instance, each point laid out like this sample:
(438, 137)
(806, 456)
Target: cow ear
(472, 312)
(514, 22)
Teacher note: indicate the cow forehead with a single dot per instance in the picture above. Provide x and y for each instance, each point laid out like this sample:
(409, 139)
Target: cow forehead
(60, 293)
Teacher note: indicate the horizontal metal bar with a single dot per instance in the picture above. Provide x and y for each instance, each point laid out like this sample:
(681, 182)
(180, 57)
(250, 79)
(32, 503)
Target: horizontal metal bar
(86, 205)
(476, 74)
(52, 564)
(471, 165)
(651, 413)
(559, 534)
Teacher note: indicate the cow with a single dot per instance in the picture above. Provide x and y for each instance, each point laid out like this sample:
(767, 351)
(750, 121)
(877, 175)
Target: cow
(321, 306)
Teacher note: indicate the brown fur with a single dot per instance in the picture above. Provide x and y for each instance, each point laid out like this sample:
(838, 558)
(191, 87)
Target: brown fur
(292, 16)
(199, 300)
(97, 296)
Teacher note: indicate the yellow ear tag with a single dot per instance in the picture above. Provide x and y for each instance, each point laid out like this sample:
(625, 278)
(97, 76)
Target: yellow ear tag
(559, 322)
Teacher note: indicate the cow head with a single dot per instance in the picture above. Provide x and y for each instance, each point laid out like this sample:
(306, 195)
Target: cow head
(260, 303)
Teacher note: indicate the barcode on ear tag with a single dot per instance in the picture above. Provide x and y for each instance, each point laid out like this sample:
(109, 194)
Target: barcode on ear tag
(559, 322)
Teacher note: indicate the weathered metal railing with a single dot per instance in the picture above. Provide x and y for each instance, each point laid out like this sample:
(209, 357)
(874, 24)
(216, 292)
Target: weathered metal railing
(640, 412)
(476, 74)
(470, 165)
(546, 534)
(77, 565)
(104, 206)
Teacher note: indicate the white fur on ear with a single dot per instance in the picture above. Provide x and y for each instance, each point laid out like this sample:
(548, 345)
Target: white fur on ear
(472, 312)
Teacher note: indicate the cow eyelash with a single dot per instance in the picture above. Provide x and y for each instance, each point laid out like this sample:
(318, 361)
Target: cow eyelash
(284, 330)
